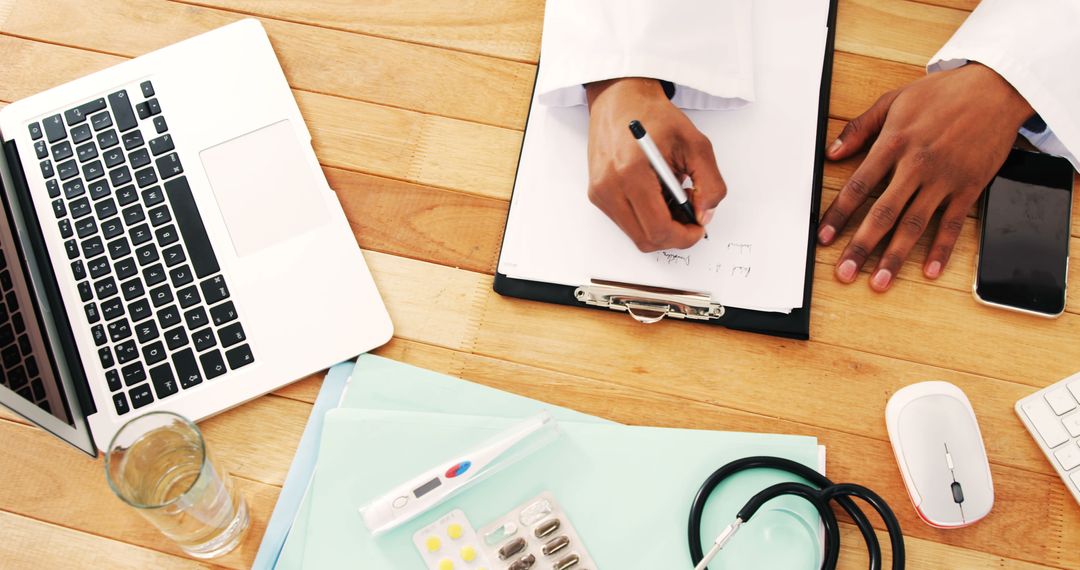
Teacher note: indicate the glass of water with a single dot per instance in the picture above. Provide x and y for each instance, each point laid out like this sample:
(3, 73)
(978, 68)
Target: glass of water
(159, 464)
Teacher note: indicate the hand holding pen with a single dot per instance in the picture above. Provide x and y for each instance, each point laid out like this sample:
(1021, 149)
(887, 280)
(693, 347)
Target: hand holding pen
(627, 187)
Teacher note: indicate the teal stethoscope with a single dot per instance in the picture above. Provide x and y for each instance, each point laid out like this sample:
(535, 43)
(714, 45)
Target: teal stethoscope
(820, 493)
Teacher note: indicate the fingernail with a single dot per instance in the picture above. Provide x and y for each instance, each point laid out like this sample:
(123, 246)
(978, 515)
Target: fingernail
(708, 216)
(826, 234)
(836, 146)
(933, 270)
(881, 279)
(846, 271)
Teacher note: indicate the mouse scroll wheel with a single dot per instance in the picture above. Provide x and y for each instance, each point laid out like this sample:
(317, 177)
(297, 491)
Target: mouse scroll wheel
(957, 492)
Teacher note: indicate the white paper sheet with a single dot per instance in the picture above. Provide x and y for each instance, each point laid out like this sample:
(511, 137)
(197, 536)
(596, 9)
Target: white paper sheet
(755, 257)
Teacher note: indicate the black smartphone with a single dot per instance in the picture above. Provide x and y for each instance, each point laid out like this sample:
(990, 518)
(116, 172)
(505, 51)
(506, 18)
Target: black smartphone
(1023, 259)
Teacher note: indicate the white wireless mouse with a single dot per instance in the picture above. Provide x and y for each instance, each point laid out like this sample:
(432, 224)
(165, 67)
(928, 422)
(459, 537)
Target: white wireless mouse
(940, 451)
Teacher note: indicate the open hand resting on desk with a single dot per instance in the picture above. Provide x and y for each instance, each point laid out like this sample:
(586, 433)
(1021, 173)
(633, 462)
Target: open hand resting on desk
(942, 138)
(621, 182)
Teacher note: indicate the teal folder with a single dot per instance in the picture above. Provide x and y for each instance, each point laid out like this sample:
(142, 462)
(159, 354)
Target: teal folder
(627, 490)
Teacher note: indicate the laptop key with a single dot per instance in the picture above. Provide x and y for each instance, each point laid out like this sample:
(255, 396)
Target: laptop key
(154, 274)
(107, 139)
(127, 195)
(145, 177)
(98, 332)
(186, 369)
(214, 289)
(203, 339)
(54, 128)
(86, 292)
(152, 196)
(47, 169)
(173, 255)
(80, 208)
(40, 150)
(35, 130)
(119, 248)
(160, 296)
(141, 396)
(112, 308)
(62, 151)
(140, 310)
(113, 157)
(112, 378)
(92, 315)
(161, 144)
(72, 248)
(59, 209)
(132, 289)
(155, 107)
(139, 158)
(133, 140)
(154, 352)
(231, 335)
(164, 383)
(53, 187)
(143, 109)
(147, 254)
(78, 270)
(119, 176)
(168, 317)
(119, 330)
(121, 107)
(67, 169)
(160, 215)
(86, 227)
(239, 356)
(99, 189)
(106, 357)
(133, 373)
(196, 318)
(92, 170)
(176, 337)
(146, 331)
(101, 121)
(105, 288)
(160, 125)
(166, 235)
(92, 247)
(188, 296)
(181, 276)
(74, 189)
(65, 228)
(140, 234)
(127, 351)
(81, 133)
(120, 403)
(169, 166)
(147, 89)
(99, 267)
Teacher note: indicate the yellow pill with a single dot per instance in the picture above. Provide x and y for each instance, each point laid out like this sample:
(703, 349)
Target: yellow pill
(454, 531)
(468, 553)
(433, 544)
(446, 564)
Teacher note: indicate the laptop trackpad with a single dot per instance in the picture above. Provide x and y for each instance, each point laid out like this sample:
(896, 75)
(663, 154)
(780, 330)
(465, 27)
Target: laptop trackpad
(267, 192)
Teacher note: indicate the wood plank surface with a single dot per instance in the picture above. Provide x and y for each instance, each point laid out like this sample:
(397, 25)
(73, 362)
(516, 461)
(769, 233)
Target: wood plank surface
(390, 90)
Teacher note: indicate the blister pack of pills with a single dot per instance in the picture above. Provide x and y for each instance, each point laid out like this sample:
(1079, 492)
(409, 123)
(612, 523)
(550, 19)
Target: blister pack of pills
(450, 543)
(536, 535)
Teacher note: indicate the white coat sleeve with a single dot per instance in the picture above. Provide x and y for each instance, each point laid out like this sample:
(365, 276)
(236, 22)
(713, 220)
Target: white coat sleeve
(1035, 46)
(702, 46)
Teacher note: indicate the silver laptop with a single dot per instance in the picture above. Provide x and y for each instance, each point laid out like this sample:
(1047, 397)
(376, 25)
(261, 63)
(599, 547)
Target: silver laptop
(170, 242)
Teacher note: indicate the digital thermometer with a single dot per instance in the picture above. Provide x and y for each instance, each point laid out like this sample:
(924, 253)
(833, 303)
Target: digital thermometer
(413, 498)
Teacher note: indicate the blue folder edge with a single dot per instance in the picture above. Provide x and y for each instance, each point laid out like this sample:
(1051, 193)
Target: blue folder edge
(302, 468)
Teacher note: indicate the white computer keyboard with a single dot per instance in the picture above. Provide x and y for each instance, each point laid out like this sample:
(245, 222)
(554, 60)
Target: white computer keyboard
(1052, 415)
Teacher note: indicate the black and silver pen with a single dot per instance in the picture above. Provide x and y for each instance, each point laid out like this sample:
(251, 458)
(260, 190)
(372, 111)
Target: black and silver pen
(663, 170)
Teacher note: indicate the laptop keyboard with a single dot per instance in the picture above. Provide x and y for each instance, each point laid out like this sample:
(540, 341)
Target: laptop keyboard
(19, 370)
(154, 297)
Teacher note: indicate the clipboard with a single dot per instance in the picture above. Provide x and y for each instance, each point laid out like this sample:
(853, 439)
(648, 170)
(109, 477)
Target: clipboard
(649, 304)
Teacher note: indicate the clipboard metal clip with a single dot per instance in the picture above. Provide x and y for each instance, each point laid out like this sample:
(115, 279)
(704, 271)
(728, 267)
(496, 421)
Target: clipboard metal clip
(649, 304)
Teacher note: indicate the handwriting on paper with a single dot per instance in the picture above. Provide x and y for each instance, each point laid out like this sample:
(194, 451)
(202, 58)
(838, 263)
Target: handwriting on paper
(672, 258)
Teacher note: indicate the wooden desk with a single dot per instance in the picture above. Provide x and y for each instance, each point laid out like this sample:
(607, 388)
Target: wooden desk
(390, 91)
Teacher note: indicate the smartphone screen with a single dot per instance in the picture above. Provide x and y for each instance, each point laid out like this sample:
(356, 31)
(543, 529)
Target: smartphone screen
(1024, 250)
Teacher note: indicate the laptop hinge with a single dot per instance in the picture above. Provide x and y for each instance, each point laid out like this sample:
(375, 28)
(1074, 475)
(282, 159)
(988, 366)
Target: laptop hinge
(65, 338)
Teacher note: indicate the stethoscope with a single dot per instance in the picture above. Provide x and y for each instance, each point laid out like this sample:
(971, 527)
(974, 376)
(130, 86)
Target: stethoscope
(818, 495)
